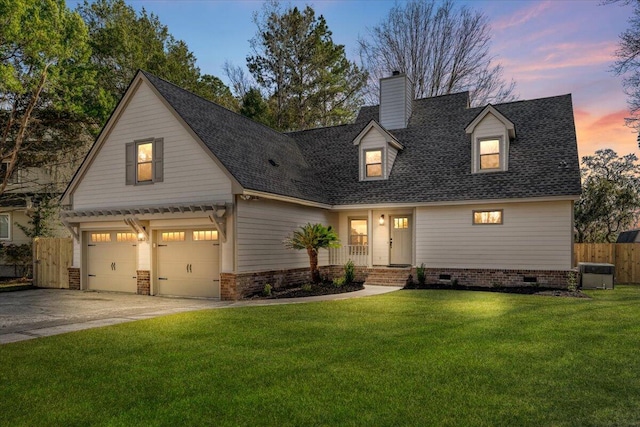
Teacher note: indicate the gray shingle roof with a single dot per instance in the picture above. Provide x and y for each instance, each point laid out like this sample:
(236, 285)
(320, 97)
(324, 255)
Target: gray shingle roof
(321, 165)
(628, 236)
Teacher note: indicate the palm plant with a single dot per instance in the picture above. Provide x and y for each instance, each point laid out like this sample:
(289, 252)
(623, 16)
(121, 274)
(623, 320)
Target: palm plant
(313, 237)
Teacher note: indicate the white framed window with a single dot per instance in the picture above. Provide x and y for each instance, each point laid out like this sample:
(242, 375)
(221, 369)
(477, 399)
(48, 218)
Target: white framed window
(5, 226)
(144, 161)
(358, 236)
(488, 217)
(490, 154)
(373, 161)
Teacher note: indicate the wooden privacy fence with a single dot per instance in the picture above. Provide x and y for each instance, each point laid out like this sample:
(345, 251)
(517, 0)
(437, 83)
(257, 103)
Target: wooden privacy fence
(625, 256)
(51, 260)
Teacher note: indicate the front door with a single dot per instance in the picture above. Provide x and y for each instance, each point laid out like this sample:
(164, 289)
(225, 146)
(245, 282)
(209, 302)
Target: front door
(400, 243)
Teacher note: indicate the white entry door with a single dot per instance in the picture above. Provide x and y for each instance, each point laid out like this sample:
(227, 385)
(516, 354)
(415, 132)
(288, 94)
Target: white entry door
(400, 244)
(111, 261)
(188, 263)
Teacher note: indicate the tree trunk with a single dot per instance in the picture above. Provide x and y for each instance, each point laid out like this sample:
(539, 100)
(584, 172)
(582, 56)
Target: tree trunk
(313, 265)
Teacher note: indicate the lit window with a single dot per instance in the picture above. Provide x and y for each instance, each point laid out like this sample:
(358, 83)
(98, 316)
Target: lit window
(400, 223)
(145, 162)
(358, 237)
(205, 235)
(173, 236)
(100, 237)
(487, 217)
(358, 232)
(126, 237)
(5, 226)
(489, 154)
(373, 163)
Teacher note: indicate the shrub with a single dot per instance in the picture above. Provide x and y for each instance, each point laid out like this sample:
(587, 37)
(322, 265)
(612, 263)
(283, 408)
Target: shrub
(454, 282)
(420, 273)
(339, 281)
(306, 287)
(20, 256)
(267, 290)
(349, 273)
(572, 281)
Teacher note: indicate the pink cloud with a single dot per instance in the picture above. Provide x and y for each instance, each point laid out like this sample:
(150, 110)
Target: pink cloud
(521, 16)
(564, 55)
(608, 130)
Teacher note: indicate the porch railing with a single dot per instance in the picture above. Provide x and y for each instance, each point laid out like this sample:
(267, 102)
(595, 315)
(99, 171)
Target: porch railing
(359, 254)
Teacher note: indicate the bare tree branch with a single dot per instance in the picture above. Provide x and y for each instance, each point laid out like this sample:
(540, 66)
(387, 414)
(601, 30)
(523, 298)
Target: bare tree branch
(442, 49)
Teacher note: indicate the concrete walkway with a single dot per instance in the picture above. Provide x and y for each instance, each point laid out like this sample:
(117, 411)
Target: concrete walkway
(37, 313)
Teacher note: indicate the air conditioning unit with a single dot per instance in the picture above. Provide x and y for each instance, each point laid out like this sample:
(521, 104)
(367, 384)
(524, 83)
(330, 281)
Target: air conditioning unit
(596, 276)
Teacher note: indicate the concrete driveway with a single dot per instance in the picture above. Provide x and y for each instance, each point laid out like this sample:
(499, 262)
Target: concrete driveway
(43, 312)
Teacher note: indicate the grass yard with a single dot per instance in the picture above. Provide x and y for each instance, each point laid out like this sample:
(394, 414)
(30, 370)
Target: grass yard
(418, 358)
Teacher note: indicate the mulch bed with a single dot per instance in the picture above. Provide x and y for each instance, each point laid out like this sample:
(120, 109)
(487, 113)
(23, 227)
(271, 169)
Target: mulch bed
(310, 290)
(523, 290)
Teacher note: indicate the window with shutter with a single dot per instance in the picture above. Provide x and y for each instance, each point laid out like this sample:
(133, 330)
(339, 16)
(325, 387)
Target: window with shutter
(144, 161)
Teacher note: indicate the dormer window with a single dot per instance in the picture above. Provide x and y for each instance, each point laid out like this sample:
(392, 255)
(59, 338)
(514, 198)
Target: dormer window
(489, 153)
(377, 151)
(373, 163)
(490, 134)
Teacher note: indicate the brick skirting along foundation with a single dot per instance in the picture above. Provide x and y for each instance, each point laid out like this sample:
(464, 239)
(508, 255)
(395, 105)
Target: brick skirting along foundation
(491, 278)
(74, 278)
(144, 282)
(238, 286)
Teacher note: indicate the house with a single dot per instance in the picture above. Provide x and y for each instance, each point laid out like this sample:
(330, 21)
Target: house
(179, 196)
(26, 188)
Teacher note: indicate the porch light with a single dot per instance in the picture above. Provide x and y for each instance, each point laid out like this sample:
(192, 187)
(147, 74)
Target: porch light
(142, 234)
(381, 220)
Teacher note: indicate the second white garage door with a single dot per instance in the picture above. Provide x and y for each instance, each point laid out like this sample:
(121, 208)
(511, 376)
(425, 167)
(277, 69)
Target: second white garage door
(188, 263)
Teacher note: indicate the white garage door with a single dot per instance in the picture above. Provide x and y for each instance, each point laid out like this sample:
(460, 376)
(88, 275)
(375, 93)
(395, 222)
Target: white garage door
(111, 261)
(188, 263)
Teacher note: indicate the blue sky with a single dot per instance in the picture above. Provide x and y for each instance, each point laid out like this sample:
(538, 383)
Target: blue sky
(548, 47)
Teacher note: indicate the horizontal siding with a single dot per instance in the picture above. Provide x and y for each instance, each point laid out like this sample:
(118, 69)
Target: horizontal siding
(264, 224)
(392, 153)
(189, 173)
(489, 126)
(536, 236)
(393, 103)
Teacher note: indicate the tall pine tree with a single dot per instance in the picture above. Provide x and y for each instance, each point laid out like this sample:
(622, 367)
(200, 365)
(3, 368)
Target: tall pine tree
(307, 77)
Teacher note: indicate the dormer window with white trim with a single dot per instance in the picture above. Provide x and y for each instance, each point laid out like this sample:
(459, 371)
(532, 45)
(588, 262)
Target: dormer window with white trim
(377, 151)
(373, 163)
(489, 149)
(490, 134)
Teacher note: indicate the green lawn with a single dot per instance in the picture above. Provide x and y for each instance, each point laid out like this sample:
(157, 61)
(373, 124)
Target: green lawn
(407, 358)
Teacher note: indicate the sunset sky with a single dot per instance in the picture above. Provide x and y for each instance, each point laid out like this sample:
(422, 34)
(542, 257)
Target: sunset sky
(548, 47)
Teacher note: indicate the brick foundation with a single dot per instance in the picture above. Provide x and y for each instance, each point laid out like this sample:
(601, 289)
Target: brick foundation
(238, 286)
(144, 282)
(491, 278)
(74, 278)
